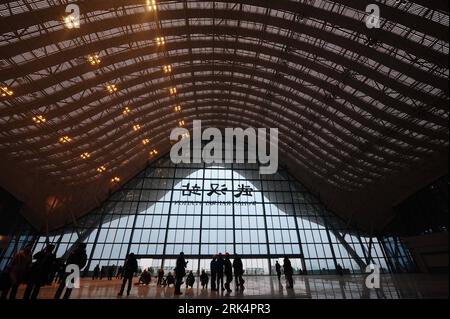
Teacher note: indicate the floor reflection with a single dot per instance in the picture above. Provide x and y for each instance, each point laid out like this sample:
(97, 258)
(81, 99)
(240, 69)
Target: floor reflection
(305, 287)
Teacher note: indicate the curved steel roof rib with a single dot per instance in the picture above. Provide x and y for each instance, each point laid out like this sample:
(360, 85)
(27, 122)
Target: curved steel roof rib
(362, 113)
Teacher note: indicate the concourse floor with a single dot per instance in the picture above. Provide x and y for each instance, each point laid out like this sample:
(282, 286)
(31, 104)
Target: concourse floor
(411, 286)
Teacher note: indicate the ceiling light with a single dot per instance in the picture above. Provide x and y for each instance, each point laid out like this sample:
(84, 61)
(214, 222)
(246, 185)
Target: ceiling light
(126, 110)
(71, 22)
(65, 139)
(181, 123)
(136, 127)
(153, 153)
(178, 108)
(115, 180)
(5, 91)
(151, 5)
(160, 41)
(94, 59)
(173, 91)
(111, 88)
(85, 155)
(167, 69)
(145, 141)
(101, 169)
(39, 119)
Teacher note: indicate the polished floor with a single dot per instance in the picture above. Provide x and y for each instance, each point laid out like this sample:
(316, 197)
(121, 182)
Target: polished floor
(306, 287)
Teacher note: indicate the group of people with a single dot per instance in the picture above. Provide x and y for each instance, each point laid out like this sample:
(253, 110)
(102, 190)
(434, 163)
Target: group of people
(41, 272)
(107, 271)
(222, 269)
(288, 272)
(22, 270)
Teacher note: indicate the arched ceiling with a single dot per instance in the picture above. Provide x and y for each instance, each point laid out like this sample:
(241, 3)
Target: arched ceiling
(362, 113)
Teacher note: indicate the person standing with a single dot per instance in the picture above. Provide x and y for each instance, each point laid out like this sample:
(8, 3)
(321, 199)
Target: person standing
(96, 272)
(40, 272)
(213, 269)
(119, 273)
(180, 272)
(79, 258)
(220, 265)
(238, 272)
(111, 271)
(228, 272)
(17, 271)
(160, 277)
(288, 273)
(278, 270)
(129, 268)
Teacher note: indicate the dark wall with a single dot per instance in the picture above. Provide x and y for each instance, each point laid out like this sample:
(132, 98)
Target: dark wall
(9, 212)
(425, 212)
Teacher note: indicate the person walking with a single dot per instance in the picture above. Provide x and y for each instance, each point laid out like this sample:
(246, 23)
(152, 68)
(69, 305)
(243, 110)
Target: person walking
(228, 268)
(238, 272)
(17, 270)
(278, 270)
(40, 272)
(129, 268)
(180, 272)
(79, 258)
(220, 266)
(213, 270)
(288, 273)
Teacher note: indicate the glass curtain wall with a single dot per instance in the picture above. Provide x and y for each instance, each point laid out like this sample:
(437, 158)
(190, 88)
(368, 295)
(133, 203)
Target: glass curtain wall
(205, 209)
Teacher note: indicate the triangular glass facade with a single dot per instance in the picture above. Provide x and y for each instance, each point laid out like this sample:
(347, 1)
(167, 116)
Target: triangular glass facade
(205, 209)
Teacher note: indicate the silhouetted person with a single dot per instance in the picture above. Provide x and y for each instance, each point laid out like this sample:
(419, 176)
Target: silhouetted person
(288, 273)
(170, 280)
(96, 272)
(213, 269)
(102, 272)
(60, 269)
(339, 270)
(111, 270)
(160, 277)
(190, 280)
(278, 270)
(204, 279)
(40, 272)
(145, 278)
(79, 258)
(129, 268)
(119, 273)
(220, 266)
(17, 270)
(238, 272)
(228, 270)
(180, 272)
